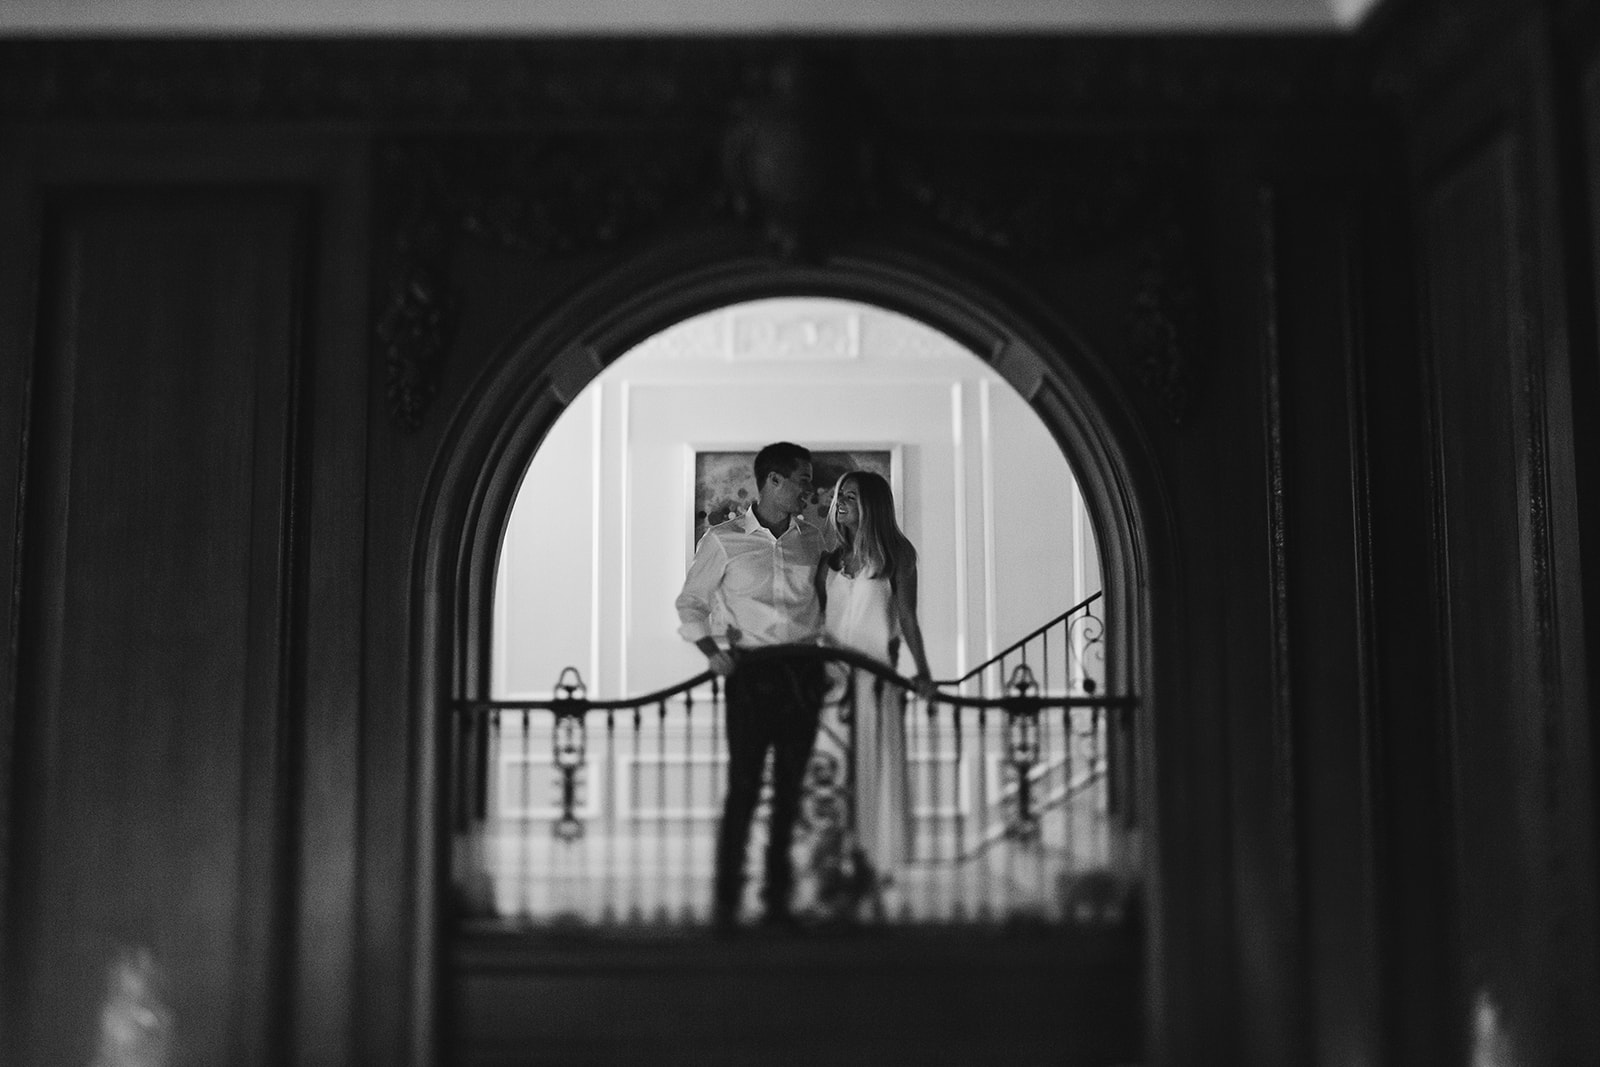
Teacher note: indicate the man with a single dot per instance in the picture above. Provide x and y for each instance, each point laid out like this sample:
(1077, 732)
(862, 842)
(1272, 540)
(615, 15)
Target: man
(760, 568)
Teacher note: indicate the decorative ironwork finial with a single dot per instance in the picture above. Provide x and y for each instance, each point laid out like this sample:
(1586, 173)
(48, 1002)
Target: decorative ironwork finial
(1022, 684)
(569, 748)
(1022, 742)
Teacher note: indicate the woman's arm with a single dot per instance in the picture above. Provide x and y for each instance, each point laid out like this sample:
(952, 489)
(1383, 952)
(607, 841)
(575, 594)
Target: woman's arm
(819, 582)
(905, 602)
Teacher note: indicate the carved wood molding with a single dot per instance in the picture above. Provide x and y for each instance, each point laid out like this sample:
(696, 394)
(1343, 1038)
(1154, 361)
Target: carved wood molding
(1001, 144)
(935, 80)
(796, 185)
(1430, 41)
(1032, 197)
(1165, 333)
(542, 196)
(800, 162)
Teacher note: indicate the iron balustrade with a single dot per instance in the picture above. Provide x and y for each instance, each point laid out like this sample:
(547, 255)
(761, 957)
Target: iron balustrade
(1065, 656)
(572, 812)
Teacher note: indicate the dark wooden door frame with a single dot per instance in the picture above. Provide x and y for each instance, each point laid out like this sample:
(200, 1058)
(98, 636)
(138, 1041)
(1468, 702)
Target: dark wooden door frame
(528, 384)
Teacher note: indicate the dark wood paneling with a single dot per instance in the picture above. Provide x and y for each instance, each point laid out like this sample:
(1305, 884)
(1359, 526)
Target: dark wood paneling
(1466, 226)
(158, 655)
(1412, 860)
(330, 536)
(1583, 126)
(1245, 687)
(1520, 758)
(1327, 613)
(16, 331)
(153, 698)
(863, 1001)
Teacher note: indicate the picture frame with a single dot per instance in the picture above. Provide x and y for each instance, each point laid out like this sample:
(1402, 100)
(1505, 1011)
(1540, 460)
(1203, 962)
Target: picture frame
(721, 479)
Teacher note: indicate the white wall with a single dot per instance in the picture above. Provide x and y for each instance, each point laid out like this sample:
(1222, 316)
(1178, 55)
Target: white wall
(597, 544)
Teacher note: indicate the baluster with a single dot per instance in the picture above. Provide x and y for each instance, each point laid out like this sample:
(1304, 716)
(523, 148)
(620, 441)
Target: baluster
(661, 823)
(1074, 800)
(609, 879)
(635, 859)
(957, 906)
(954, 904)
(718, 772)
(1065, 672)
(982, 804)
(568, 753)
(921, 770)
(525, 864)
(927, 728)
(1075, 674)
(929, 746)
(1023, 747)
(1008, 839)
(834, 857)
(1049, 812)
(686, 841)
(1074, 667)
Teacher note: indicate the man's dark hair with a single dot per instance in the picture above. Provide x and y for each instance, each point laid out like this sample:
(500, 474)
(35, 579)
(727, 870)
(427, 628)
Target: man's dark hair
(780, 458)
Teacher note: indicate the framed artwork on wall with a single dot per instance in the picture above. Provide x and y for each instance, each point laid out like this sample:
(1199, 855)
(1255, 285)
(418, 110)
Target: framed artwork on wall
(723, 480)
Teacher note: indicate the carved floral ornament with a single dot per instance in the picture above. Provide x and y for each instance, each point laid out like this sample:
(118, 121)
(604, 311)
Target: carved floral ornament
(798, 165)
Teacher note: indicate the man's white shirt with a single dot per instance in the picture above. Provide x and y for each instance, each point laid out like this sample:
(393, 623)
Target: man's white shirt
(762, 583)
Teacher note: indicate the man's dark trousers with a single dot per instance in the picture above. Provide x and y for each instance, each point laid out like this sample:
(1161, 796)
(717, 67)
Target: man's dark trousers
(772, 703)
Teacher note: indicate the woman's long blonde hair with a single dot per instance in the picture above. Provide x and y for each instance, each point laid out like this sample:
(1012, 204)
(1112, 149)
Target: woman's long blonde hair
(877, 549)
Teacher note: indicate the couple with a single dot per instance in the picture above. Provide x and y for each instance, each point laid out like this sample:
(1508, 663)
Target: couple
(781, 580)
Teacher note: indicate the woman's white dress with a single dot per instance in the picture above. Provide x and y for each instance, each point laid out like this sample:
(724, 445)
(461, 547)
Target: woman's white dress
(859, 617)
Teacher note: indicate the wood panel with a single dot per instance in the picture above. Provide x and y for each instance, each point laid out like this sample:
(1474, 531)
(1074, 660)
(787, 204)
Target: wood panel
(1518, 745)
(1327, 613)
(1466, 224)
(1411, 877)
(1060, 998)
(152, 698)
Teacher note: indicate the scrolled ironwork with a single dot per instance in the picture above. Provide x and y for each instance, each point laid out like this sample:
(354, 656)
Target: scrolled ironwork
(1015, 789)
(1058, 631)
(1086, 644)
(825, 826)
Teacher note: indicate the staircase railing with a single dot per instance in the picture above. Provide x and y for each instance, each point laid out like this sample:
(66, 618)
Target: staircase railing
(1065, 655)
(571, 812)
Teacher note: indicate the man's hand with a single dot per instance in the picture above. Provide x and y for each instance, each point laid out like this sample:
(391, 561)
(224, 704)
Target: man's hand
(720, 660)
(924, 686)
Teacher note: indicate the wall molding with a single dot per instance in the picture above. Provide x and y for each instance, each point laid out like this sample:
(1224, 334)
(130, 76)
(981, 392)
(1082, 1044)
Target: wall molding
(683, 80)
(1022, 199)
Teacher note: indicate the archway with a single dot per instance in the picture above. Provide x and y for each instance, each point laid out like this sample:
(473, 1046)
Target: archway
(513, 408)
(605, 521)
(658, 448)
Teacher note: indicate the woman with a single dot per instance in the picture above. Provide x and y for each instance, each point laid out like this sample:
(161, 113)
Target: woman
(868, 586)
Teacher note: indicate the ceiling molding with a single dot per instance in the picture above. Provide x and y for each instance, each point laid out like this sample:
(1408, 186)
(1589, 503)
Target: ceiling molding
(25, 18)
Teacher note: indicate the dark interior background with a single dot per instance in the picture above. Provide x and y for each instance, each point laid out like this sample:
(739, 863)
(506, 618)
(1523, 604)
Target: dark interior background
(1340, 289)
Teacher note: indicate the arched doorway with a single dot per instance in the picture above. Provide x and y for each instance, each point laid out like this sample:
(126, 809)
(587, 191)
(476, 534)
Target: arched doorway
(516, 406)
(604, 520)
(658, 448)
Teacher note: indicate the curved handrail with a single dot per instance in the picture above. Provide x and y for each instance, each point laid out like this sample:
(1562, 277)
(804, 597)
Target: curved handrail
(780, 652)
(1019, 642)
